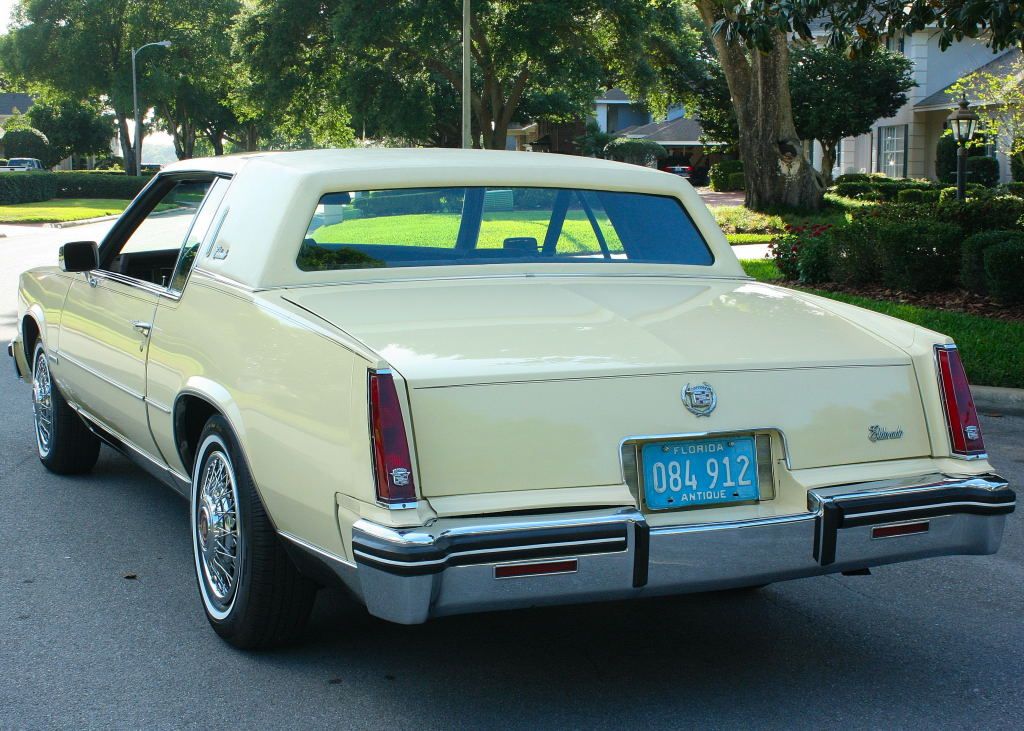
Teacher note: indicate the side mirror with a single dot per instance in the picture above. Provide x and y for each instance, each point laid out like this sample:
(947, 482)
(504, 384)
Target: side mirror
(79, 256)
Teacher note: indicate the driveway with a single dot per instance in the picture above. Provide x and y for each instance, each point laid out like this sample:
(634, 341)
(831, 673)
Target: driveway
(715, 198)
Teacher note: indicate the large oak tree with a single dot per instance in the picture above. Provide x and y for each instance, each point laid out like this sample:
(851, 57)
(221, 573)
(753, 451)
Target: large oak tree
(397, 65)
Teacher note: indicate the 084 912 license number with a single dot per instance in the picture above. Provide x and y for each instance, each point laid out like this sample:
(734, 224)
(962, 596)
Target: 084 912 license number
(699, 472)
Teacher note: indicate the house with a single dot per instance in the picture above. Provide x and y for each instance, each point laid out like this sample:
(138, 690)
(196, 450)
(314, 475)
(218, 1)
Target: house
(12, 104)
(903, 146)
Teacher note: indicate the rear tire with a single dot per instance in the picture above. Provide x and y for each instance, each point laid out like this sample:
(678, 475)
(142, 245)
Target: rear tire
(63, 441)
(252, 593)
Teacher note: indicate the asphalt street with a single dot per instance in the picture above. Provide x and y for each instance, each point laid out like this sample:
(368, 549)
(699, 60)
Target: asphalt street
(101, 627)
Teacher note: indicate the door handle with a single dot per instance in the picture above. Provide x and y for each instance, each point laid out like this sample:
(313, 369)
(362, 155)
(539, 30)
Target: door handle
(143, 327)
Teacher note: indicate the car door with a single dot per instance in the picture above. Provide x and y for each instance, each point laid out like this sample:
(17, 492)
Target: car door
(108, 312)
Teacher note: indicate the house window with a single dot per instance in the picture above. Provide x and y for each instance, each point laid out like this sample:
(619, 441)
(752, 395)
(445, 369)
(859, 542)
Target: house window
(839, 155)
(809, 151)
(892, 151)
(894, 44)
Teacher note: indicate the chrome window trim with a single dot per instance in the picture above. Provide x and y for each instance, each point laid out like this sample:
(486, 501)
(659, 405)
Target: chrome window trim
(516, 275)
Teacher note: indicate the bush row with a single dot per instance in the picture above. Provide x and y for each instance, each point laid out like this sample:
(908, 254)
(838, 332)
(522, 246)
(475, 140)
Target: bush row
(922, 247)
(723, 175)
(385, 203)
(33, 187)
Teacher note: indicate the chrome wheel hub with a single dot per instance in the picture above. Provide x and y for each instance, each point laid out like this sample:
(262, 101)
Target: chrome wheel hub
(217, 535)
(42, 403)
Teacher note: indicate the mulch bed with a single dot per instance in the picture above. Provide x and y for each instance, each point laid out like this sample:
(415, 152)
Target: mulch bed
(958, 300)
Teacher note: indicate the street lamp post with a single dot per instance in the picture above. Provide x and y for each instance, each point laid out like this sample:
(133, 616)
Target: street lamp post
(963, 122)
(137, 144)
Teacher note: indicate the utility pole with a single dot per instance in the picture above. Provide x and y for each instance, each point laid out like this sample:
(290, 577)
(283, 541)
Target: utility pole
(467, 74)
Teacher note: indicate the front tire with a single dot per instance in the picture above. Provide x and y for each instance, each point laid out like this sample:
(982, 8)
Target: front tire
(63, 441)
(252, 593)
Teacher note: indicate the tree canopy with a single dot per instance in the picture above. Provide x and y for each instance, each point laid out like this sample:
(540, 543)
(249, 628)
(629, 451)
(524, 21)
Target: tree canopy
(71, 127)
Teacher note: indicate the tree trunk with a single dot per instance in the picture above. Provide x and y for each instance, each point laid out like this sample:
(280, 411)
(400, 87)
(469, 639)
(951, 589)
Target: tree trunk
(828, 160)
(775, 170)
(217, 140)
(127, 151)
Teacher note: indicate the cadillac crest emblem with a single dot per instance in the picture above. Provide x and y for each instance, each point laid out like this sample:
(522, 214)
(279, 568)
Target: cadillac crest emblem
(700, 399)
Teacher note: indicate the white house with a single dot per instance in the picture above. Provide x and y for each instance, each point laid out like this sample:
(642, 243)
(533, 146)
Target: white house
(903, 146)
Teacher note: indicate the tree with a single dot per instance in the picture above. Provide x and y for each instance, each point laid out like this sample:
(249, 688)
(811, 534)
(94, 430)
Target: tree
(72, 127)
(83, 49)
(775, 170)
(998, 100)
(402, 61)
(836, 96)
(636, 151)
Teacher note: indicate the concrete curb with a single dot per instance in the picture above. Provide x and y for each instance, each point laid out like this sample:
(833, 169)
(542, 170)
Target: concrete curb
(83, 222)
(1000, 400)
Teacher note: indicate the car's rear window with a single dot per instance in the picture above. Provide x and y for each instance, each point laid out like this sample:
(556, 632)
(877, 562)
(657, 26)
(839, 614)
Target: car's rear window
(444, 226)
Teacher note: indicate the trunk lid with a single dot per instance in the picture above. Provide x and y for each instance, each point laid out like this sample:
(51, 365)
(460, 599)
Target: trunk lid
(534, 382)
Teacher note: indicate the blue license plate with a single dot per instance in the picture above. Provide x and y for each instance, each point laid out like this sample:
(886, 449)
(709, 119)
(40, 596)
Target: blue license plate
(690, 472)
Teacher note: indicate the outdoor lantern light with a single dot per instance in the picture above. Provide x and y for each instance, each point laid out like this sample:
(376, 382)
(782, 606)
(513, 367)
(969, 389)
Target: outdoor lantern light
(963, 122)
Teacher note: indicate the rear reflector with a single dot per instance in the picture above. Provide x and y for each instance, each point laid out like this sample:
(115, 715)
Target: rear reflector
(512, 570)
(961, 415)
(904, 529)
(391, 461)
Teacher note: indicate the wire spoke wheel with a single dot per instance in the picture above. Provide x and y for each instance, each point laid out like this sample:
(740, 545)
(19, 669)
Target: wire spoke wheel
(42, 403)
(218, 540)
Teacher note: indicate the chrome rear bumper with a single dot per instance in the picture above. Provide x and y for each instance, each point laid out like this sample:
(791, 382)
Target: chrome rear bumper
(456, 566)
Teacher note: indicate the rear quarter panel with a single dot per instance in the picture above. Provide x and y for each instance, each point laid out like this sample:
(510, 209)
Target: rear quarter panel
(293, 393)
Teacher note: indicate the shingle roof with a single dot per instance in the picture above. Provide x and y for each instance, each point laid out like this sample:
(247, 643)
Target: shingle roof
(999, 66)
(11, 102)
(682, 129)
(614, 95)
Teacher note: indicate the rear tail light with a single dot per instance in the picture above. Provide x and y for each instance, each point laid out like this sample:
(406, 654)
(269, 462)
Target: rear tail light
(961, 415)
(391, 461)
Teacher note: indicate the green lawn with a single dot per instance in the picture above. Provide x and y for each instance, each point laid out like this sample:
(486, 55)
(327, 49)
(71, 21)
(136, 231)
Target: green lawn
(441, 229)
(61, 210)
(992, 350)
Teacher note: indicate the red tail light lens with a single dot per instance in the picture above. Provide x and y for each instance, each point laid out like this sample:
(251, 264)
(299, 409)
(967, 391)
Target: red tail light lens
(961, 415)
(391, 461)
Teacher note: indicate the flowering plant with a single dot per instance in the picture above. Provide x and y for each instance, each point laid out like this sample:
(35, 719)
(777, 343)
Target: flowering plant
(786, 251)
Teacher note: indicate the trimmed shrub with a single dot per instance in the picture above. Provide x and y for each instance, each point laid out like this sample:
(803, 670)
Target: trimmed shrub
(737, 181)
(98, 185)
(635, 151)
(1004, 271)
(788, 250)
(1017, 167)
(859, 190)
(720, 172)
(922, 256)
(930, 196)
(945, 157)
(27, 187)
(972, 269)
(1014, 188)
(390, 204)
(27, 142)
(855, 250)
(911, 195)
(983, 214)
(815, 260)
(853, 178)
(983, 170)
(947, 195)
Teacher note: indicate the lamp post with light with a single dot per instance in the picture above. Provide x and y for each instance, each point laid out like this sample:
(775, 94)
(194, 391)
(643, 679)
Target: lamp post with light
(963, 122)
(135, 100)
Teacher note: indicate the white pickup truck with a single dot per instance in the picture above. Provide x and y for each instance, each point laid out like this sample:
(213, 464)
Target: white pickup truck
(22, 165)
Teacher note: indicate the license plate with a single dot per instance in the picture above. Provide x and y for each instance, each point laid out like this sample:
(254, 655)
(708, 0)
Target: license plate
(692, 472)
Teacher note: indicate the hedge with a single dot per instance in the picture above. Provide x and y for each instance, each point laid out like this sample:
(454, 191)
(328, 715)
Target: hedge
(389, 204)
(920, 257)
(34, 187)
(737, 181)
(720, 172)
(983, 170)
(1004, 271)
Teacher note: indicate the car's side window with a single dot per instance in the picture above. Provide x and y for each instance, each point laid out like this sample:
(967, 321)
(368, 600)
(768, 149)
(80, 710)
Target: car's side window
(197, 234)
(151, 251)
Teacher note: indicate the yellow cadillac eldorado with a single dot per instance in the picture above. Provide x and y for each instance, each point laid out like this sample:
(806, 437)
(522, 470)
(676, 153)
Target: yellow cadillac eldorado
(458, 381)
